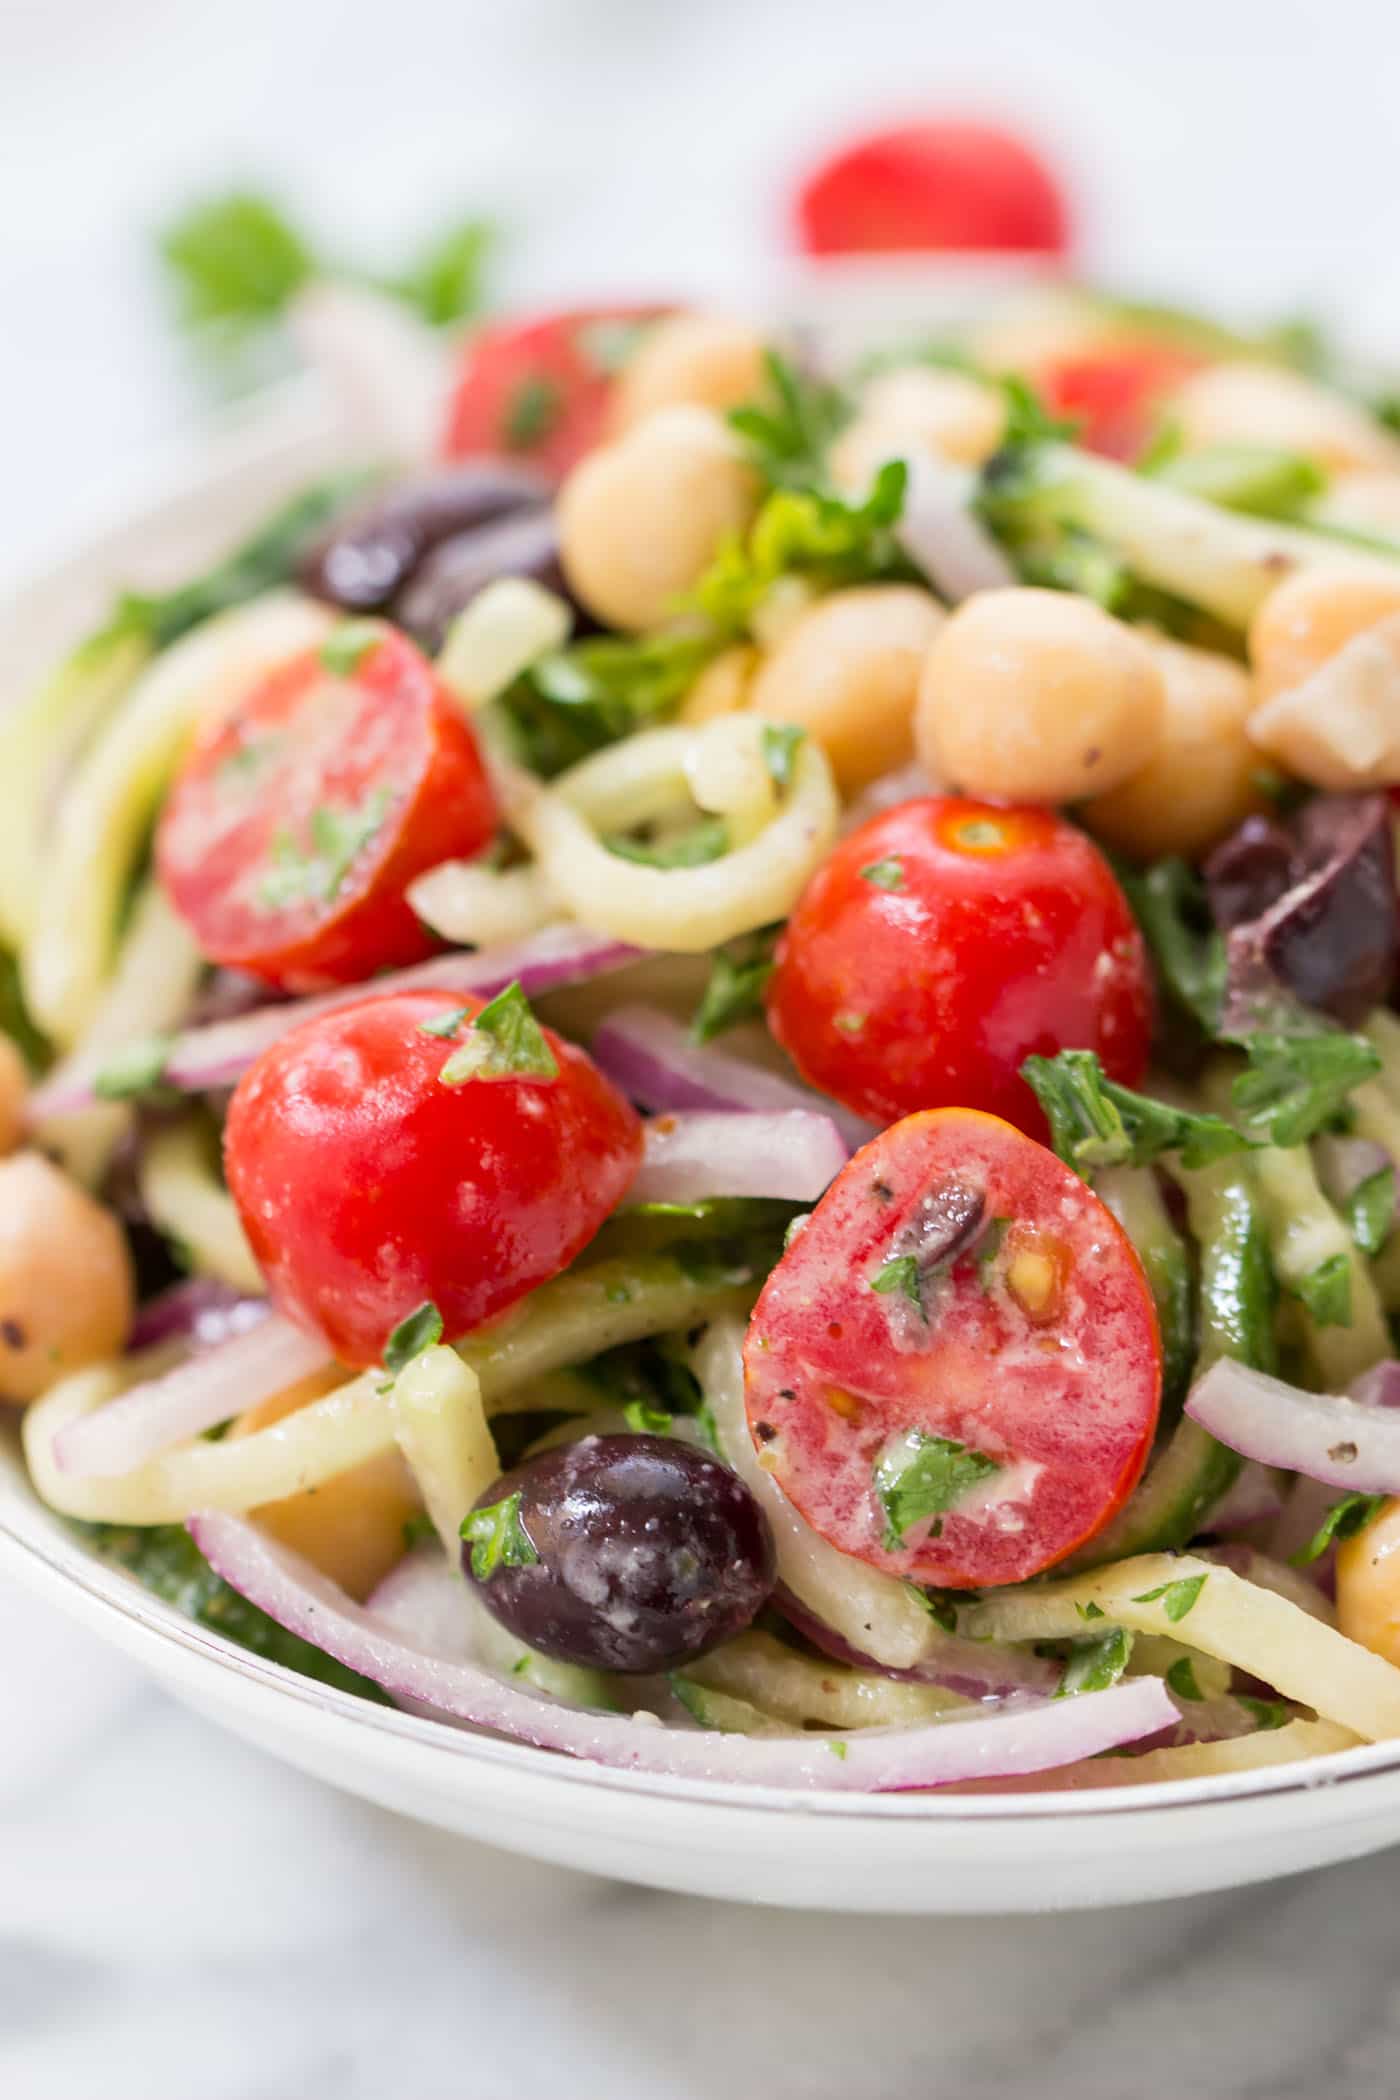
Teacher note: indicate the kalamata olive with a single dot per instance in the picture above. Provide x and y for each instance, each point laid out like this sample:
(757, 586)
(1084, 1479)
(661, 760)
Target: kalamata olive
(446, 581)
(629, 1553)
(1329, 935)
(370, 555)
(1249, 871)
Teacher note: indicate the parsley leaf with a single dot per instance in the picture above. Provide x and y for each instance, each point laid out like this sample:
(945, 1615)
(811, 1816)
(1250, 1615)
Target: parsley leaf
(1090, 1610)
(577, 700)
(1296, 1084)
(446, 1024)
(346, 646)
(1170, 904)
(1370, 1210)
(1181, 1678)
(419, 1330)
(235, 261)
(642, 1417)
(531, 411)
(886, 874)
(1268, 1713)
(786, 434)
(339, 834)
(1326, 1292)
(137, 1068)
(1095, 1123)
(504, 1041)
(444, 282)
(919, 1476)
(1094, 1665)
(1176, 1598)
(808, 533)
(1342, 1521)
(901, 1274)
(498, 1538)
(780, 742)
(692, 848)
(739, 974)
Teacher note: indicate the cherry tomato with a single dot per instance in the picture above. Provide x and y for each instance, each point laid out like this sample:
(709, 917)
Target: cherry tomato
(941, 945)
(1115, 395)
(954, 1371)
(932, 186)
(539, 390)
(369, 1178)
(300, 819)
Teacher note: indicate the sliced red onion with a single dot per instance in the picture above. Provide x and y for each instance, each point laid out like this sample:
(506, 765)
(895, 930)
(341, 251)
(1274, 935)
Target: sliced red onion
(1343, 1163)
(201, 1310)
(204, 1390)
(1018, 1736)
(975, 1669)
(652, 1058)
(1328, 1436)
(1378, 1387)
(201, 1059)
(942, 537)
(689, 1157)
(1255, 1497)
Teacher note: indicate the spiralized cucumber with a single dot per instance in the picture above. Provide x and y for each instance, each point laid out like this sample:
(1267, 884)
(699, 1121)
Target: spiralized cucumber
(1132, 1194)
(105, 813)
(1305, 1234)
(187, 1202)
(793, 1688)
(1245, 1753)
(1215, 1610)
(440, 1424)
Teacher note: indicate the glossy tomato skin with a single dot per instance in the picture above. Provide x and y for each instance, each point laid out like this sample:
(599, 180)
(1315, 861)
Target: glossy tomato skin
(539, 390)
(366, 1185)
(1115, 396)
(383, 757)
(942, 944)
(1030, 1367)
(932, 186)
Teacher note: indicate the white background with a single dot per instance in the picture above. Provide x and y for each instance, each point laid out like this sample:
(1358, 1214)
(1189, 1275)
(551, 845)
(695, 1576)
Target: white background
(177, 1914)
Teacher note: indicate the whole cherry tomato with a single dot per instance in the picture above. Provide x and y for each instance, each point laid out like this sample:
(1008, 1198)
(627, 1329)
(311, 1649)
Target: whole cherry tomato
(932, 186)
(420, 1147)
(539, 390)
(954, 1371)
(942, 944)
(299, 819)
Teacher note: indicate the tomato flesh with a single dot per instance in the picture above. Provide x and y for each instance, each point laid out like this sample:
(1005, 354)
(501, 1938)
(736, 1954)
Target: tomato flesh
(979, 1417)
(540, 390)
(299, 820)
(932, 186)
(1115, 396)
(946, 941)
(367, 1185)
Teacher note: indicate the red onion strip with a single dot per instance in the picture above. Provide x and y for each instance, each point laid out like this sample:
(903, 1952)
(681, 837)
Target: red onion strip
(688, 1157)
(1328, 1436)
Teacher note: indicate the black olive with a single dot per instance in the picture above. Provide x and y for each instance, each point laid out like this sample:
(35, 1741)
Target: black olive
(1249, 871)
(524, 544)
(369, 556)
(647, 1553)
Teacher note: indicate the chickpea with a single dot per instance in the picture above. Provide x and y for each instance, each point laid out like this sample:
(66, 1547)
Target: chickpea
(1363, 502)
(1304, 623)
(1257, 404)
(1200, 781)
(722, 687)
(1037, 696)
(709, 360)
(1368, 1585)
(14, 1086)
(639, 520)
(351, 1527)
(848, 672)
(65, 1278)
(924, 409)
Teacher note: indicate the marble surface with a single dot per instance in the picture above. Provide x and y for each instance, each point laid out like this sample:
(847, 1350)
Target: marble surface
(178, 1914)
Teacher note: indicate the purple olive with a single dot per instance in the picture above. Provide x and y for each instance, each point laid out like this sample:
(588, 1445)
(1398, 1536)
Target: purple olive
(445, 582)
(627, 1553)
(369, 556)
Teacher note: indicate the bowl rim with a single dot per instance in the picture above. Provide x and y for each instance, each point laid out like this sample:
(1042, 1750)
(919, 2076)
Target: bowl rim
(265, 434)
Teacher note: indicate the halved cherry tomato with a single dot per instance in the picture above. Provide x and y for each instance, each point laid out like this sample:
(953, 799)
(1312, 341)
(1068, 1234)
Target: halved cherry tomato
(1116, 395)
(539, 390)
(300, 819)
(954, 1371)
(945, 942)
(932, 186)
(369, 1179)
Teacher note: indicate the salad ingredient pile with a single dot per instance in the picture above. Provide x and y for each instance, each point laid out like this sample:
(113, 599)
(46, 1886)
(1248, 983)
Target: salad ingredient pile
(745, 1119)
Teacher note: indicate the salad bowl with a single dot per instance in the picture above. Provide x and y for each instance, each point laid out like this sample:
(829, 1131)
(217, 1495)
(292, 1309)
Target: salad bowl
(1029, 1849)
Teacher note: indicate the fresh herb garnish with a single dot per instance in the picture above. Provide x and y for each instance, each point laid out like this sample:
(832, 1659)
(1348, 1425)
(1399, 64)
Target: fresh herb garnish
(137, 1068)
(1176, 1598)
(1342, 1521)
(418, 1530)
(920, 1476)
(1090, 1610)
(804, 532)
(419, 1330)
(788, 432)
(574, 701)
(445, 1025)
(886, 874)
(780, 743)
(1170, 904)
(694, 848)
(498, 1539)
(901, 1274)
(1268, 1713)
(346, 646)
(1096, 1123)
(1094, 1665)
(1181, 1678)
(640, 1416)
(739, 974)
(531, 412)
(339, 834)
(503, 1041)
(1297, 1084)
(1326, 1292)
(1370, 1210)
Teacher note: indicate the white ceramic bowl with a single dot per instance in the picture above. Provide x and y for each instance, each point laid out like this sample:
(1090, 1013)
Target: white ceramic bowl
(1021, 1852)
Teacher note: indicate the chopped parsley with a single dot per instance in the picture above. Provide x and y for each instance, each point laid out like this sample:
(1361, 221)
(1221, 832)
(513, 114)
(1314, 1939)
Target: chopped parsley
(1326, 1292)
(419, 1330)
(1176, 1598)
(919, 1476)
(1296, 1085)
(640, 1416)
(445, 1024)
(1268, 1713)
(1342, 1521)
(137, 1068)
(1370, 1210)
(1096, 1123)
(739, 974)
(532, 411)
(503, 1041)
(339, 834)
(346, 646)
(1181, 1678)
(886, 874)
(901, 1274)
(837, 1747)
(1094, 1665)
(1090, 1610)
(780, 744)
(787, 433)
(498, 1539)
(693, 848)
